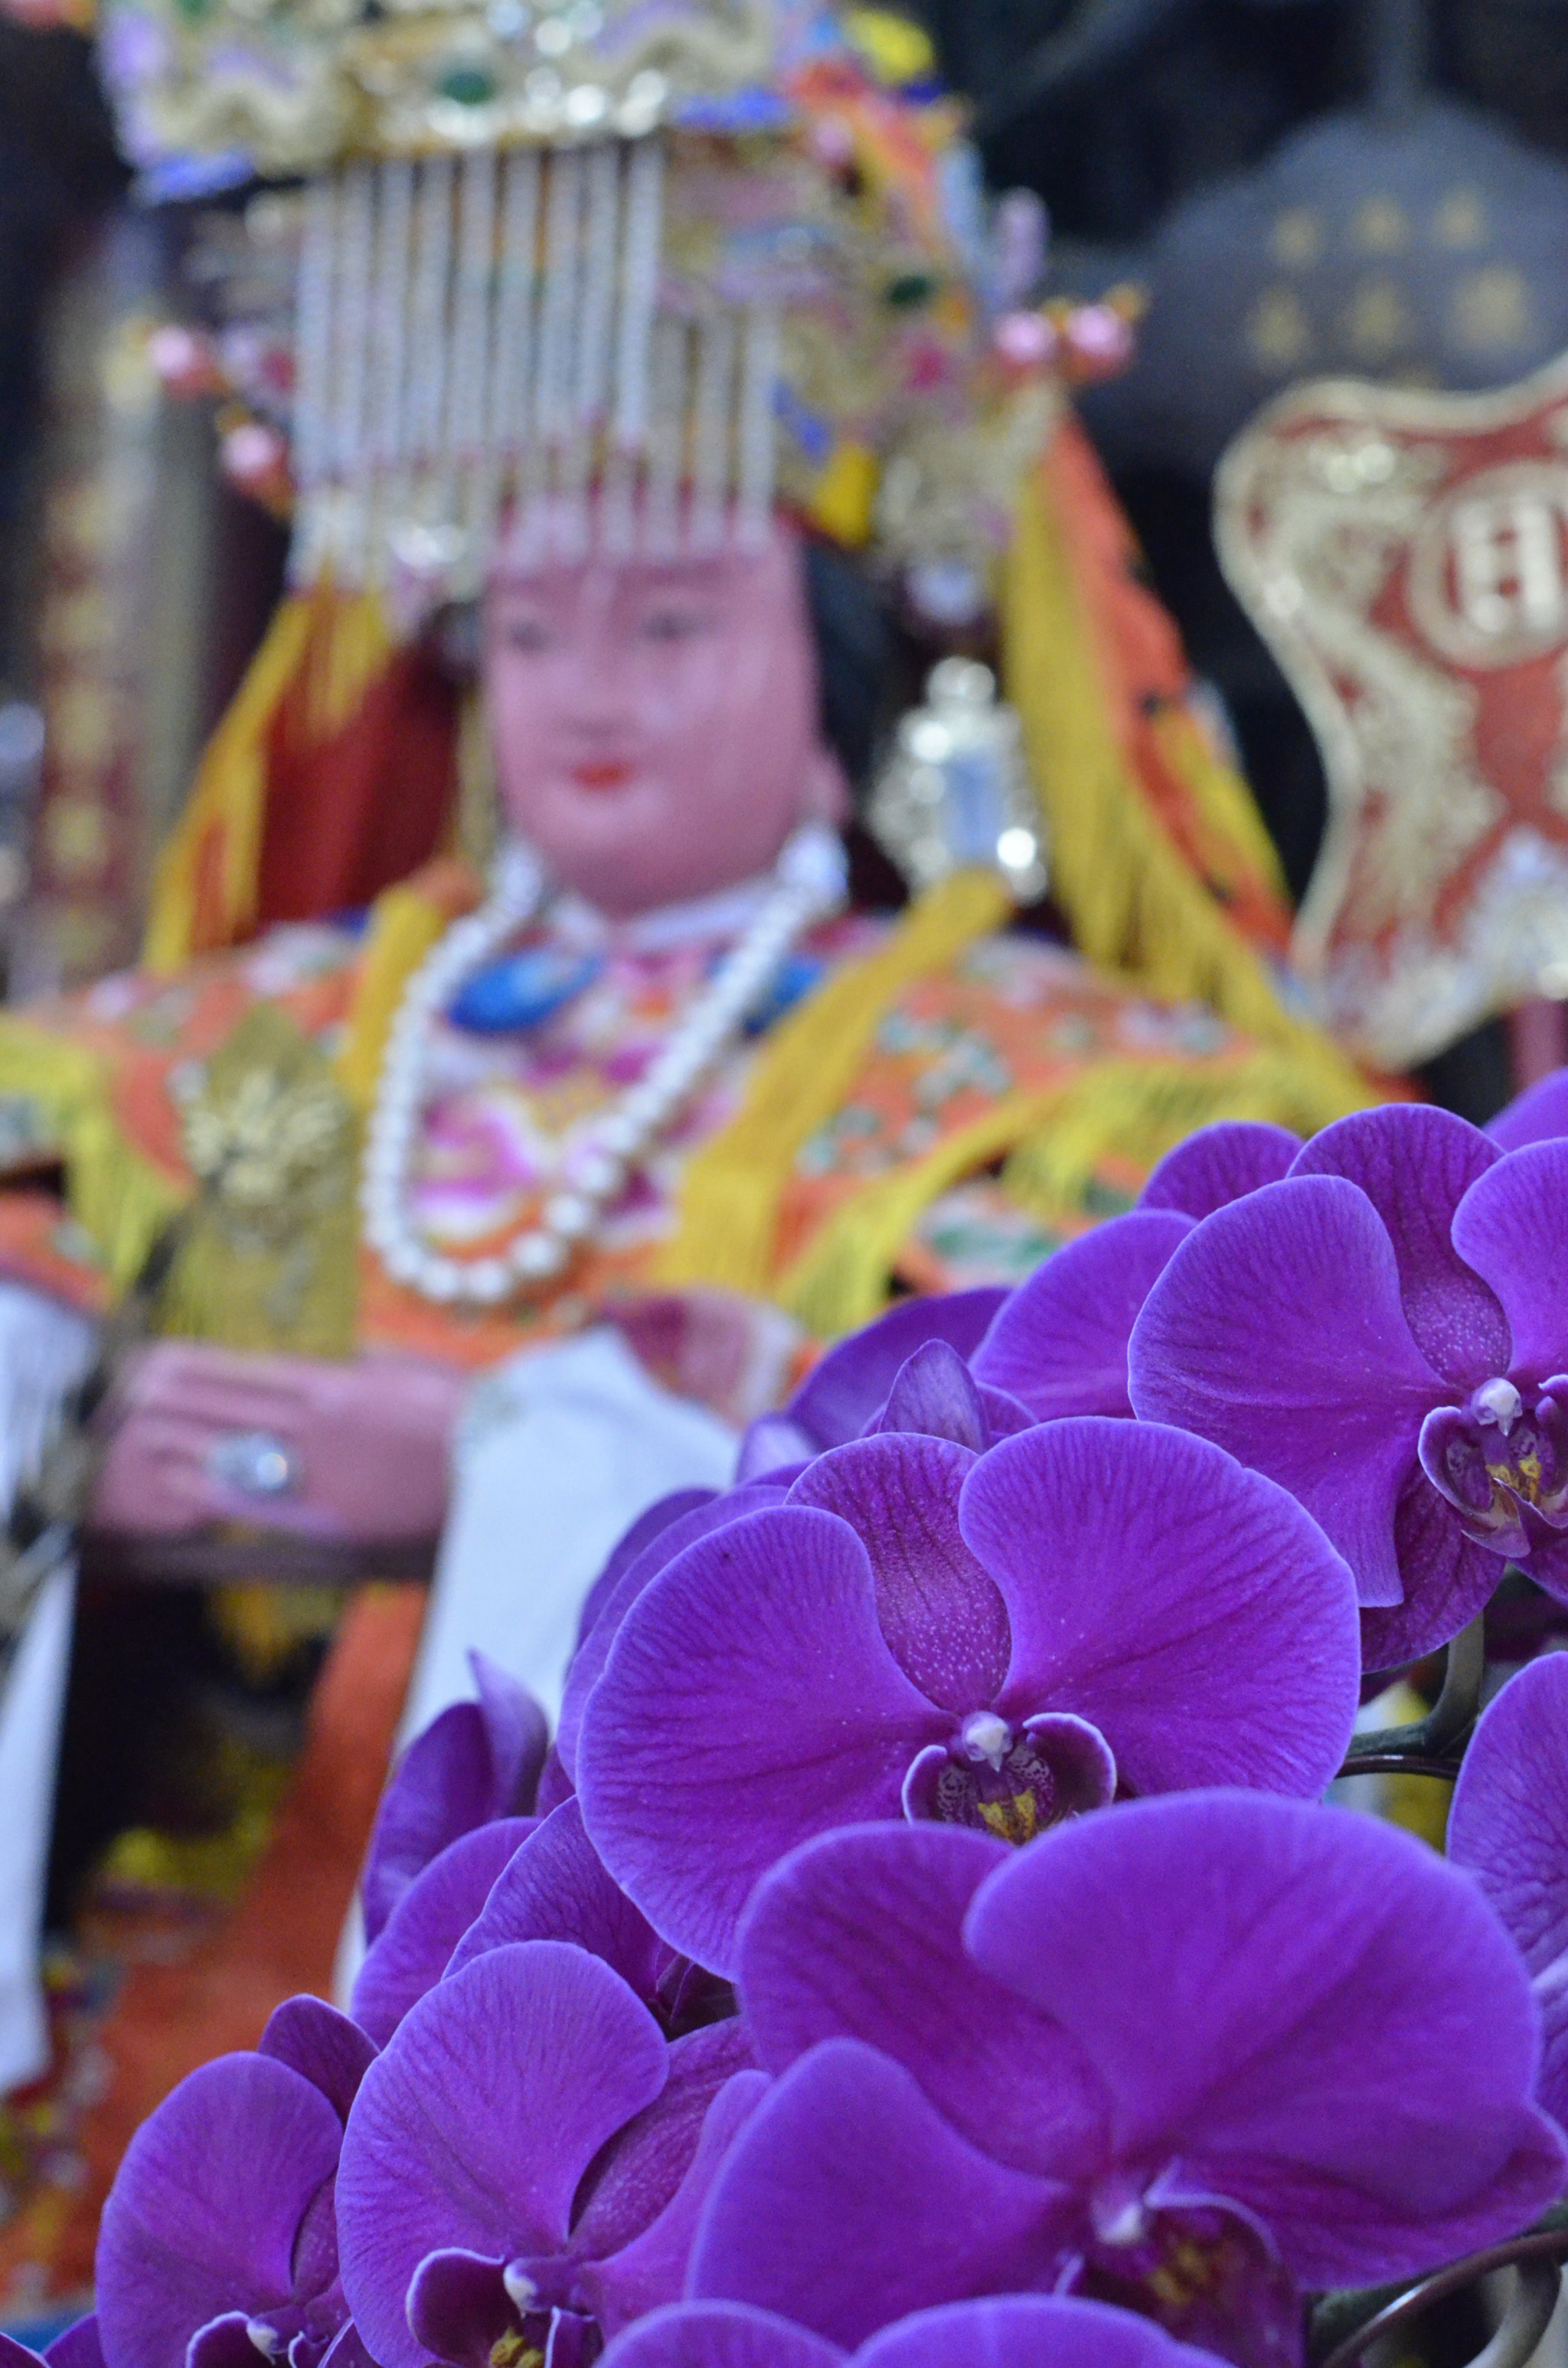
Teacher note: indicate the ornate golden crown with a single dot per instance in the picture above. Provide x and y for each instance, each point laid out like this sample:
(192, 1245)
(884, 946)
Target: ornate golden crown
(617, 268)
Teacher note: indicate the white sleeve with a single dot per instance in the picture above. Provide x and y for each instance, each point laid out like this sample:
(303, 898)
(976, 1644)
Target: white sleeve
(44, 1351)
(557, 1453)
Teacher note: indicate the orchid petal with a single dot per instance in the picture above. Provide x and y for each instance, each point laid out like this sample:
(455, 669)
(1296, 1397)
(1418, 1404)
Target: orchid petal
(843, 2237)
(1059, 1343)
(1028, 2332)
(224, 2342)
(936, 1393)
(770, 1444)
(556, 1888)
(517, 1731)
(715, 1512)
(636, 1540)
(1449, 1578)
(1156, 1588)
(842, 1392)
(457, 2306)
(1219, 1164)
(643, 2165)
(1416, 1165)
(20, 2355)
(347, 2349)
(1508, 1825)
(690, 1792)
(1512, 1229)
(413, 1951)
(476, 1760)
(326, 2047)
(651, 2269)
(205, 2207)
(473, 2129)
(860, 1935)
(720, 2335)
(1345, 2042)
(1277, 1332)
(1534, 1116)
(78, 2347)
(940, 1613)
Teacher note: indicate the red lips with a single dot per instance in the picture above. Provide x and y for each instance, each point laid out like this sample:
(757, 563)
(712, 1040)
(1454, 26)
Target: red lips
(601, 777)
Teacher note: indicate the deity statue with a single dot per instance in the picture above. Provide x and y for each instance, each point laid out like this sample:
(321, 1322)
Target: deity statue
(674, 340)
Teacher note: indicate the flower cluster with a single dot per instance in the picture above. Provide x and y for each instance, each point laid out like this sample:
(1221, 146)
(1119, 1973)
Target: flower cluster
(926, 1939)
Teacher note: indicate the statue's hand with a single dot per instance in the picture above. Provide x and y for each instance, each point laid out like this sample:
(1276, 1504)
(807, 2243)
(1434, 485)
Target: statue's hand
(364, 1443)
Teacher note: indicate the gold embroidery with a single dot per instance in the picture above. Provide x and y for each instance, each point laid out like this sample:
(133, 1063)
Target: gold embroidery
(269, 1258)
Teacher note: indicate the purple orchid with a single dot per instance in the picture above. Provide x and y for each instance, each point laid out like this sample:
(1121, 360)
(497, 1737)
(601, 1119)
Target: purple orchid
(77, 2347)
(1217, 1165)
(218, 2240)
(1538, 1115)
(1192, 2057)
(474, 1762)
(844, 1393)
(1385, 1332)
(1057, 1343)
(1012, 2331)
(635, 1573)
(995, 1641)
(557, 1888)
(413, 1949)
(524, 2164)
(1508, 1826)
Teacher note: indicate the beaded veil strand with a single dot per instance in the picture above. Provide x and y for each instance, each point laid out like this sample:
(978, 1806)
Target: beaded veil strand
(480, 339)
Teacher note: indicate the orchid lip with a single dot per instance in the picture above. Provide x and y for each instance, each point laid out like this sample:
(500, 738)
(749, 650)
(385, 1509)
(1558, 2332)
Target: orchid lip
(1011, 1780)
(1501, 1463)
(1199, 2265)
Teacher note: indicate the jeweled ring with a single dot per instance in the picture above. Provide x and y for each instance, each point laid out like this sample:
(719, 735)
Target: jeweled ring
(256, 1462)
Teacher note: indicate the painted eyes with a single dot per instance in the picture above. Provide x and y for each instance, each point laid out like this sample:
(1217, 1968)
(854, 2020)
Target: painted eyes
(672, 624)
(668, 624)
(527, 633)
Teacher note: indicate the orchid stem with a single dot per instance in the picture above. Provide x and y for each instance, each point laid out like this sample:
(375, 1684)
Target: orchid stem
(1431, 1746)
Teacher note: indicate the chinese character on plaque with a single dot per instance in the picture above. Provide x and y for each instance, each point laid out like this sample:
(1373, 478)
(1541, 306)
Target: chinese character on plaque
(1405, 554)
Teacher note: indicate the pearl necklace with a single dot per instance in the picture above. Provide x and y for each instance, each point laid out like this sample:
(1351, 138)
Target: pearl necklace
(808, 885)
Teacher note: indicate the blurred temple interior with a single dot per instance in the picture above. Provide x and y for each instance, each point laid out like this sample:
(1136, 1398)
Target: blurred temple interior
(1283, 253)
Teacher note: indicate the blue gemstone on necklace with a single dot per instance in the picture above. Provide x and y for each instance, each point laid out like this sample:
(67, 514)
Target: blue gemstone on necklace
(523, 990)
(797, 976)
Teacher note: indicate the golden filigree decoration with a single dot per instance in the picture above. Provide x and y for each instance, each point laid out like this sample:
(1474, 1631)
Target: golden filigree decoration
(272, 1142)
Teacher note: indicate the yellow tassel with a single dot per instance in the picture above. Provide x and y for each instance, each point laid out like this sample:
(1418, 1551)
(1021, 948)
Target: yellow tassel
(1131, 1111)
(842, 1276)
(1132, 902)
(205, 894)
(728, 1216)
(404, 924)
(844, 499)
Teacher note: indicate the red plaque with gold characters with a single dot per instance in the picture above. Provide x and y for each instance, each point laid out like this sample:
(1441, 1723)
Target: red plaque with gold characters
(1405, 556)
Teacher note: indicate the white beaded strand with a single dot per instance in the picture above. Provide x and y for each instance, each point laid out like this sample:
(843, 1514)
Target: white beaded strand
(389, 351)
(808, 885)
(756, 434)
(470, 356)
(711, 431)
(351, 369)
(313, 299)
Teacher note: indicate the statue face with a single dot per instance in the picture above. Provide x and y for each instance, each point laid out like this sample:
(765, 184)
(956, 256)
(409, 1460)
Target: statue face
(655, 722)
